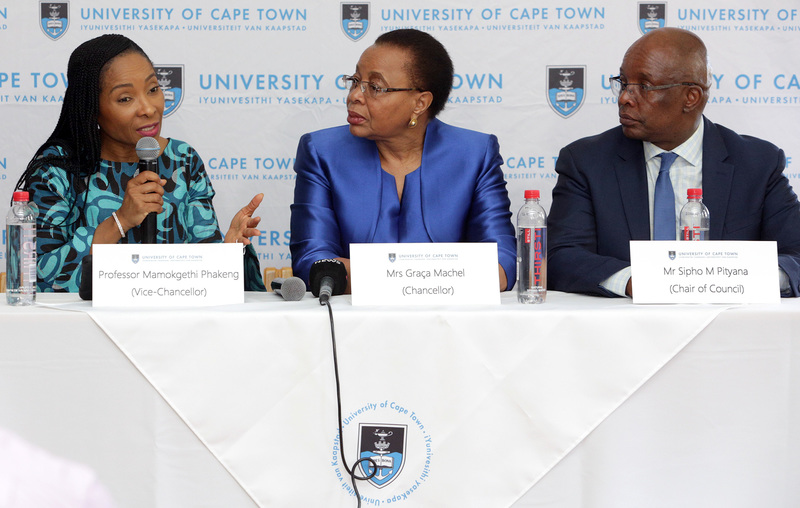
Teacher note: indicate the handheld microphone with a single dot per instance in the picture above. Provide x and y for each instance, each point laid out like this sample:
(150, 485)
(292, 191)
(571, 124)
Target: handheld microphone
(291, 289)
(147, 150)
(328, 277)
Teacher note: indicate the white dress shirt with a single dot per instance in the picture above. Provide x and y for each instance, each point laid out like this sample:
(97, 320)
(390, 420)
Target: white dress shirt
(686, 173)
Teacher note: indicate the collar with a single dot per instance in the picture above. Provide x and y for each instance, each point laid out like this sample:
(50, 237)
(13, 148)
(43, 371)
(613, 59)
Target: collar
(690, 150)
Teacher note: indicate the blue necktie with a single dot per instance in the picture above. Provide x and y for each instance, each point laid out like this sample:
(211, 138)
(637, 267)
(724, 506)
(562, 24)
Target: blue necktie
(664, 201)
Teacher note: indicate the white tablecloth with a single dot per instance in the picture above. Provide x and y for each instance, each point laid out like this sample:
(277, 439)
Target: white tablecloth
(496, 398)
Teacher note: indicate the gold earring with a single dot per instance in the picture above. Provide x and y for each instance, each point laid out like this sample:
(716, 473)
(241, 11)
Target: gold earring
(412, 123)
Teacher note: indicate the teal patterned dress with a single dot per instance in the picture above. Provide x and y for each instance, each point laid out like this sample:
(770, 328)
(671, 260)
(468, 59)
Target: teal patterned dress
(69, 216)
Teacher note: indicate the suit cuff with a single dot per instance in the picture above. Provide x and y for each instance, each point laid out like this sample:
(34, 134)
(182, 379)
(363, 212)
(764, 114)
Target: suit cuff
(617, 282)
(786, 287)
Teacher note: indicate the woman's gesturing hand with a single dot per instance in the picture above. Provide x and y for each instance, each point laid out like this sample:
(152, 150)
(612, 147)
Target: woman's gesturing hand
(243, 225)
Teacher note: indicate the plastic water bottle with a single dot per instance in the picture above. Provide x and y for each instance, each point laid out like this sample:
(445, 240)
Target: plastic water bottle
(531, 250)
(695, 219)
(21, 251)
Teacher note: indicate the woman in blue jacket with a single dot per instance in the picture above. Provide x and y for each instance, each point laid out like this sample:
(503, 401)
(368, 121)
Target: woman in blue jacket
(396, 173)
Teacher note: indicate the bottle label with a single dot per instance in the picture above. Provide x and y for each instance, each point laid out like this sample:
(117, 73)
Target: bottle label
(539, 251)
(695, 234)
(527, 235)
(20, 263)
(28, 271)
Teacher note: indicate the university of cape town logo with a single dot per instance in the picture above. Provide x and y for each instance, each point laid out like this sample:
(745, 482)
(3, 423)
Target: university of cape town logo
(398, 455)
(672, 255)
(565, 89)
(355, 20)
(392, 257)
(170, 79)
(652, 16)
(385, 445)
(135, 258)
(54, 18)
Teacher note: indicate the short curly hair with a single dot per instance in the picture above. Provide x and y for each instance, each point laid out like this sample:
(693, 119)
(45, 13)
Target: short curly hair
(431, 67)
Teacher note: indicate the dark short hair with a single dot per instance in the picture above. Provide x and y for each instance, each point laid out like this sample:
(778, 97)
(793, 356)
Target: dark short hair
(431, 67)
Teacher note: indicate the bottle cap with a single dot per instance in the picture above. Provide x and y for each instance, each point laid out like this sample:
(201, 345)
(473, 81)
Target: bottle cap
(531, 194)
(21, 196)
(695, 193)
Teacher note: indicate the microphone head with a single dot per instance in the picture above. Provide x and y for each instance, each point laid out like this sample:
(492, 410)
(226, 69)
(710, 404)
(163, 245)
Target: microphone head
(332, 268)
(291, 289)
(147, 149)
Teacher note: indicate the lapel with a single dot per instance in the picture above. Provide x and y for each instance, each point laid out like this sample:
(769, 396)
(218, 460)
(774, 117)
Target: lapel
(631, 174)
(433, 156)
(357, 187)
(717, 178)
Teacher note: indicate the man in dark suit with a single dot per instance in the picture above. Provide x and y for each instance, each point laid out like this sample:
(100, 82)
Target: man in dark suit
(608, 185)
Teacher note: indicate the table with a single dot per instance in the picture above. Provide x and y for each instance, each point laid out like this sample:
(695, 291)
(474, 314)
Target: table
(507, 405)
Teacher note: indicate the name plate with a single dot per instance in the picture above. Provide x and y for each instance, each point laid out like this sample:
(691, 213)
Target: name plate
(424, 274)
(705, 272)
(167, 275)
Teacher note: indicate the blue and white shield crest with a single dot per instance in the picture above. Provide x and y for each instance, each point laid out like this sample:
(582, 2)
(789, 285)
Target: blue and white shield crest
(566, 89)
(355, 20)
(652, 15)
(385, 446)
(672, 255)
(54, 18)
(392, 257)
(170, 79)
(135, 258)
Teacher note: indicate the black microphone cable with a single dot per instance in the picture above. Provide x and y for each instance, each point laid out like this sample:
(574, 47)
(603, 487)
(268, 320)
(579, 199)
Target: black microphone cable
(351, 472)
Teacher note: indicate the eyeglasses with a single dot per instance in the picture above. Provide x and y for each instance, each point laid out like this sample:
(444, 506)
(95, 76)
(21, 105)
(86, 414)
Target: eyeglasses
(639, 89)
(371, 90)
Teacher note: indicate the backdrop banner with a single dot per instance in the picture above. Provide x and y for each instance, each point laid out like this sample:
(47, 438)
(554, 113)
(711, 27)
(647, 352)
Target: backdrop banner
(244, 82)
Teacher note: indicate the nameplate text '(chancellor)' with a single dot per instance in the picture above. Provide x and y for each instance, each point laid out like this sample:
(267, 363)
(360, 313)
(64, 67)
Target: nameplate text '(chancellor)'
(424, 274)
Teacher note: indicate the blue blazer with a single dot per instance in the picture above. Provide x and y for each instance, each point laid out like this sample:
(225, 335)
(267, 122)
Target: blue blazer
(337, 195)
(600, 203)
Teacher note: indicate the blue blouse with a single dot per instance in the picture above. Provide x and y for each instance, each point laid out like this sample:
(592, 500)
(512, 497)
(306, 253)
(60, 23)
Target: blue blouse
(398, 220)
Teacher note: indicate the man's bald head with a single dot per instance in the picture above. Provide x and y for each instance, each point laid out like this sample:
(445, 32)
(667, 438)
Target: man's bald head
(667, 71)
(685, 53)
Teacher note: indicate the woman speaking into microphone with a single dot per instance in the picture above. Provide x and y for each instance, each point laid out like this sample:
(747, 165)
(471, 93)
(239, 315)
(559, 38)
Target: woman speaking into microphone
(84, 178)
(396, 173)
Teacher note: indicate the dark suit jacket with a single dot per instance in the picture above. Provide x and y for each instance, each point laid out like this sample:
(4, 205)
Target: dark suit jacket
(600, 203)
(337, 195)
